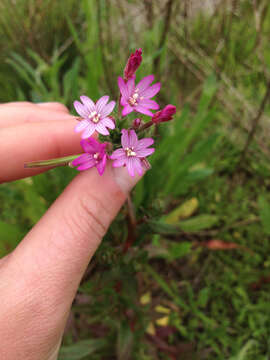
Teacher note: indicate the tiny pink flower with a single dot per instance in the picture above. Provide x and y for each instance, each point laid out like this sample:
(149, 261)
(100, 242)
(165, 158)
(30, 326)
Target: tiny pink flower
(133, 63)
(165, 114)
(133, 152)
(138, 98)
(94, 155)
(95, 116)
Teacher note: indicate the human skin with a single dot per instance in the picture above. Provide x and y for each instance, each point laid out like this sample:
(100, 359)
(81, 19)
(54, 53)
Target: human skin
(39, 279)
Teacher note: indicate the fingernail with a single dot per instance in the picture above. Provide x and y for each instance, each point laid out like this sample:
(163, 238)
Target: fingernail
(124, 180)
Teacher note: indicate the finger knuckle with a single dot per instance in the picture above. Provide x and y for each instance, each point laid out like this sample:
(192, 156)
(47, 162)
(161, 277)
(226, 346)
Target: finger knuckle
(90, 217)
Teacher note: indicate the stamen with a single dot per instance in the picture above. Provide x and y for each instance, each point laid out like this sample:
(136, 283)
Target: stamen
(130, 152)
(133, 99)
(94, 116)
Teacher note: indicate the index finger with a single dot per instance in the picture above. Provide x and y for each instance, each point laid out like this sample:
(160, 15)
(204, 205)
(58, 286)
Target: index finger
(33, 142)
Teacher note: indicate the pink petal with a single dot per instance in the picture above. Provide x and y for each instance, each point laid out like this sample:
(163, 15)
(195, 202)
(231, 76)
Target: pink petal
(81, 159)
(107, 109)
(130, 166)
(123, 101)
(137, 165)
(89, 130)
(143, 110)
(102, 129)
(129, 138)
(127, 110)
(81, 125)
(101, 103)
(145, 152)
(101, 165)
(125, 138)
(149, 104)
(123, 88)
(131, 85)
(90, 145)
(88, 103)
(81, 109)
(120, 162)
(108, 123)
(145, 82)
(117, 154)
(86, 165)
(144, 143)
(133, 139)
(150, 91)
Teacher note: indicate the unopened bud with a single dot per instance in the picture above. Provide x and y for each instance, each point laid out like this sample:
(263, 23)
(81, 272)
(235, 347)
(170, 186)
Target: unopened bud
(164, 115)
(146, 164)
(136, 123)
(132, 65)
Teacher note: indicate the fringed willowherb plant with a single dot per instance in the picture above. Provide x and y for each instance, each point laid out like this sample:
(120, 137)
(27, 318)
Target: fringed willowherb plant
(127, 145)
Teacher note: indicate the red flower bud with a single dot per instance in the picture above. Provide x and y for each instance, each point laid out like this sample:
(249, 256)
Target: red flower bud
(136, 123)
(132, 65)
(165, 114)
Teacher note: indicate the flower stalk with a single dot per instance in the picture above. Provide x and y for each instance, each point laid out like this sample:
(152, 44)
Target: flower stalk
(64, 161)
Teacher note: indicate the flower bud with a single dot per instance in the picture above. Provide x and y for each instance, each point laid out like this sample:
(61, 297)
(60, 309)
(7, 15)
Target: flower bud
(132, 65)
(136, 123)
(146, 164)
(164, 115)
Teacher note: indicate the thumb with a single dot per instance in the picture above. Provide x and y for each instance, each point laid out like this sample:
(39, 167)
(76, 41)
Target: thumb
(55, 254)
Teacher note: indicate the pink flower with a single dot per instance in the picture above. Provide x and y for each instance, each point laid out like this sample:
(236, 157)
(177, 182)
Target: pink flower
(137, 98)
(95, 116)
(165, 114)
(133, 63)
(95, 155)
(133, 152)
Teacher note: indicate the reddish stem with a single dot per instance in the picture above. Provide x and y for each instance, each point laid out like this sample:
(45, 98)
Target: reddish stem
(131, 237)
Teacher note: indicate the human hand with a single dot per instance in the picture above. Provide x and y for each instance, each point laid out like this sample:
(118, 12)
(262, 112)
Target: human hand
(39, 279)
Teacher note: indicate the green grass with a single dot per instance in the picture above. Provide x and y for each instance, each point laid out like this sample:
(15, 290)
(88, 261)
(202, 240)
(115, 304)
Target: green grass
(217, 301)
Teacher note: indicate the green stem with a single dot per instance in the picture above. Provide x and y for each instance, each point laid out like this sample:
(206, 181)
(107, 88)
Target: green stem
(146, 126)
(64, 161)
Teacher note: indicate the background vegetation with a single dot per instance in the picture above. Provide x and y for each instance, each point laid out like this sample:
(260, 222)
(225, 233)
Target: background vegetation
(194, 282)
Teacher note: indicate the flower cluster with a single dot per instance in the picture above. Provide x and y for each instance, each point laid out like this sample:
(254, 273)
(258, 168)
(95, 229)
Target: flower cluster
(96, 117)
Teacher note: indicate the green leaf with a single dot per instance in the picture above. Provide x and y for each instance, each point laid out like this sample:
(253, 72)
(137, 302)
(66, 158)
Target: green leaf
(203, 297)
(70, 81)
(74, 32)
(209, 90)
(159, 227)
(124, 344)
(198, 223)
(178, 250)
(243, 353)
(164, 285)
(10, 235)
(183, 211)
(81, 349)
(138, 194)
(264, 211)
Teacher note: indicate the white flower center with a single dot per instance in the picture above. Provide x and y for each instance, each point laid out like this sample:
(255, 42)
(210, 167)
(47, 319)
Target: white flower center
(94, 116)
(133, 99)
(130, 152)
(95, 156)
